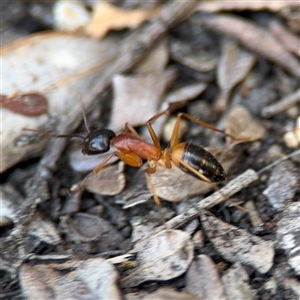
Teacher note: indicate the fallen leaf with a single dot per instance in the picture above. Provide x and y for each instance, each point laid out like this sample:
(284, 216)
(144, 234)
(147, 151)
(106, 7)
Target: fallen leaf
(106, 17)
(251, 36)
(243, 126)
(82, 227)
(282, 185)
(137, 98)
(234, 64)
(199, 60)
(91, 279)
(236, 283)
(108, 181)
(163, 256)
(202, 279)
(100, 277)
(238, 245)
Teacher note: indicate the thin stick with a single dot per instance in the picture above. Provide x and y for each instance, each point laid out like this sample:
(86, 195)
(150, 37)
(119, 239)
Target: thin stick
(230, 189)
(281, 105)
(278, 161)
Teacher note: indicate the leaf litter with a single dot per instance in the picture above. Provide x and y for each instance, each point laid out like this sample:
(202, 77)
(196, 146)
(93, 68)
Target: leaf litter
(96, 225)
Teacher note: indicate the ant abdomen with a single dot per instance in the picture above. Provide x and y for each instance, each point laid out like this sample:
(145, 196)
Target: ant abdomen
(203, 162)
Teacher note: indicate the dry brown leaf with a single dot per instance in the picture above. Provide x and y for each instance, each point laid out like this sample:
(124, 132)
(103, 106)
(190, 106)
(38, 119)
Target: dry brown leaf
(106, 17)
(90, 279)
(239, 245)
(236, 283)
(202, 279)
(242, 125)
(234, 65)
(137, 98)
(108, 181)
(251, 36)
(82, 227)
(202, 61)
(163, 256)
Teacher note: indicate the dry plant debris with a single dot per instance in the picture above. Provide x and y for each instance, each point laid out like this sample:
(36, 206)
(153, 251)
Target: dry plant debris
(178, 56)
(161, 257)
(109, 17)
(237, 245)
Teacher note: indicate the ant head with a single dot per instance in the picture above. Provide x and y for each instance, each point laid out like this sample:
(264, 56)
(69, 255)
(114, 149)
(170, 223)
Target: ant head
(97, 141)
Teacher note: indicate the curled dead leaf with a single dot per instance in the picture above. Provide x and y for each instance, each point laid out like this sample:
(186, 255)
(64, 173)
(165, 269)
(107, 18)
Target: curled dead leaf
(161, 257)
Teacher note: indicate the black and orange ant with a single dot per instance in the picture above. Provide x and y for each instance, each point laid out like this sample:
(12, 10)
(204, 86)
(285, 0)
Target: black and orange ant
(131, 149)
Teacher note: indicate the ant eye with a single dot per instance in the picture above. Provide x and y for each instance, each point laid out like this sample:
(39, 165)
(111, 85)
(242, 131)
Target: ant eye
(100, 144)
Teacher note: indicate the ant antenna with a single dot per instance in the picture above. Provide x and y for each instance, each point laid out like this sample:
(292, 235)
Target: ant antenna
(84, 117)
(55, 135)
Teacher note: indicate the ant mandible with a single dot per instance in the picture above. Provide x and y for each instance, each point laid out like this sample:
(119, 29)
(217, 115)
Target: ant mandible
(131, 149)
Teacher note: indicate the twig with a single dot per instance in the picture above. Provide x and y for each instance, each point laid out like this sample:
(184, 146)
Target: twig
(281, 105)
(230, 189)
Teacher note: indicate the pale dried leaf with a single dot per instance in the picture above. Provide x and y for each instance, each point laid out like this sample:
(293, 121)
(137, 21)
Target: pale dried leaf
(107, 17)
(243, 126)
(282, 185)
(82, 227)
(70, 72)
(251, 36)
(202, 61)
(236, 283)
(155, 61)
(91, 279)
(108, 181)
(141, 94)
(234, 64)
(100, 277)
(163, 256)
(44, 230)
(237, 245)
(187, 92)
(202, 279)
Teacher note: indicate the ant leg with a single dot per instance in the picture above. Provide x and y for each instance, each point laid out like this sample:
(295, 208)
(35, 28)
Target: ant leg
(103, 163)
(202, 123)
(153, 135)
(130, 159)
(130, 129)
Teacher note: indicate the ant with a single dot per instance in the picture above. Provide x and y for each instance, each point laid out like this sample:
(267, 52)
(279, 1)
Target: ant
(131, 149)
